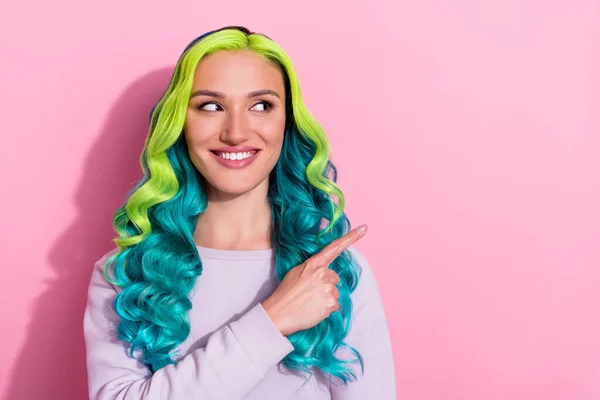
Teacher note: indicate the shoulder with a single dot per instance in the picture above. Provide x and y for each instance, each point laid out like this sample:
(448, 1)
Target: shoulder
(359, 259)
(98, 278)
(367, 284)
(362, 263)
(99, 314)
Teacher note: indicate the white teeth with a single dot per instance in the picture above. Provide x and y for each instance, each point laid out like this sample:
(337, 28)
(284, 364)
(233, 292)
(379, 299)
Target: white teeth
(237, 156)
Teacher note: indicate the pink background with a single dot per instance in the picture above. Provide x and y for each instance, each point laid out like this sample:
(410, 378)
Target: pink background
(466, 135)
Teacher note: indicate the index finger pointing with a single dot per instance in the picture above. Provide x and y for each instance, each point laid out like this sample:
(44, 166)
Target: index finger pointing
(337, 247)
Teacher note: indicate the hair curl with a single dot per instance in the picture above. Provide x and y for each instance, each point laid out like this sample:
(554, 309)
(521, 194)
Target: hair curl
(157, 262)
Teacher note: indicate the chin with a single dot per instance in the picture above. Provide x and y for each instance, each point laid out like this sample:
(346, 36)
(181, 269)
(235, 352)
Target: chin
(233, 182)
(231, 187)
(233, 190)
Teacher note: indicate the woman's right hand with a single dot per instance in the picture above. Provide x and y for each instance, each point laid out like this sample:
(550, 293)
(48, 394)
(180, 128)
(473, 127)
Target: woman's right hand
(308, 293)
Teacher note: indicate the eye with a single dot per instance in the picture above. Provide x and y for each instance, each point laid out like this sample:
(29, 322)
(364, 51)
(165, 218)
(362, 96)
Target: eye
(266, 105)
(212, 106)
(204, 106)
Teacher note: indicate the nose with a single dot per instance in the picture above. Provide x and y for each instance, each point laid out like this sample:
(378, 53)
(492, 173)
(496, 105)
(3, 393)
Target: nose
(236, 129)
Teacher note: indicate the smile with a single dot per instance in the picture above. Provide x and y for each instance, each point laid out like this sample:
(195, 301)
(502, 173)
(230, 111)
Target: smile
(236, 160)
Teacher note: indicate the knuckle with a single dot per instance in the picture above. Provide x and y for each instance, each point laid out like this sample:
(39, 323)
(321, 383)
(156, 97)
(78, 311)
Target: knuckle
(310, 263)
(334, 277)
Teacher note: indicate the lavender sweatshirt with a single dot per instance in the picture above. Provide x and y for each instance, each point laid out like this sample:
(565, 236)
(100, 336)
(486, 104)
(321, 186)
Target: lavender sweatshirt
(234, 349)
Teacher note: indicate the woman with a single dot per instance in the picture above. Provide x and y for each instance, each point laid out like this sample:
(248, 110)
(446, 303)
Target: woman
(234, 275)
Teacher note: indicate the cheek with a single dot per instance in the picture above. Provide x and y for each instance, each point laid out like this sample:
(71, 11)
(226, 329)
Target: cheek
(197, 142)
(273, 133)
(198, 133)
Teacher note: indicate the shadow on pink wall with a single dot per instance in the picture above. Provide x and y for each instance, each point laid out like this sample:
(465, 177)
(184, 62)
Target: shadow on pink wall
(51, 363)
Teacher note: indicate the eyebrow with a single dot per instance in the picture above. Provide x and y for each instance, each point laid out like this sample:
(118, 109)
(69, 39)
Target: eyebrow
(212, 93)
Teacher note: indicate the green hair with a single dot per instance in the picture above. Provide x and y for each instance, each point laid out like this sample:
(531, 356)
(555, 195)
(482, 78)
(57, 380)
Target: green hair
(157, 262)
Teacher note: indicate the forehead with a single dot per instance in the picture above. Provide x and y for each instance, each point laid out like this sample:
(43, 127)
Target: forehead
(237, 71)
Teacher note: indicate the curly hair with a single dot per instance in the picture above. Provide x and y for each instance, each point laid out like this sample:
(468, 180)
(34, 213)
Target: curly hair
(157, 262)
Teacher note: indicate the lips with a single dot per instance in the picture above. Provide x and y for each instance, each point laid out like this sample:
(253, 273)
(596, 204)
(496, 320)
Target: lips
(234, 149)
(235, 164)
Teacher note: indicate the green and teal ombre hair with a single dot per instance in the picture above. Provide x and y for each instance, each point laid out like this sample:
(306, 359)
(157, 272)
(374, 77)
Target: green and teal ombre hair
(157, 262)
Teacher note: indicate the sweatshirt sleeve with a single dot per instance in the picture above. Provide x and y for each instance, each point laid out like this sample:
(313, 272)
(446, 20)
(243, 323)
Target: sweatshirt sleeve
(369, 334)
(234, 360)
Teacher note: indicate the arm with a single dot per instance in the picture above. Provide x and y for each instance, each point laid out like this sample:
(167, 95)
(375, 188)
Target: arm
(235, 359)
(369, 334)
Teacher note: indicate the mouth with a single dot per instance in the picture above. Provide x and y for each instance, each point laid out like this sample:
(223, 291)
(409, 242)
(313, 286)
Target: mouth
(235, 160)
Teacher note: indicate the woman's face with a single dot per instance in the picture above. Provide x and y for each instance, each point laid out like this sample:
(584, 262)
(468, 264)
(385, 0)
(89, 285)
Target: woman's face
(235, 121)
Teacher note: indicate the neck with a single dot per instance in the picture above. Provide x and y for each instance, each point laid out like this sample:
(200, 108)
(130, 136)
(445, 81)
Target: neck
(240, 222)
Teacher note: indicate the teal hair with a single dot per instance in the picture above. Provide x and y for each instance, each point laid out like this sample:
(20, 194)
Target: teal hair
(157, 262)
